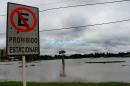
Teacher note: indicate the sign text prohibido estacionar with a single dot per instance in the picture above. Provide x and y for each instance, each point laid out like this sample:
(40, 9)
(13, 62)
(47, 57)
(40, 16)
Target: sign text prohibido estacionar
(22, 30)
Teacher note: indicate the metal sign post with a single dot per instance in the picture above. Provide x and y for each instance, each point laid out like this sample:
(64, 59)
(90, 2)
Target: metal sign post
(63, 65)
(61, 53)
(24, 70)
(22, 33)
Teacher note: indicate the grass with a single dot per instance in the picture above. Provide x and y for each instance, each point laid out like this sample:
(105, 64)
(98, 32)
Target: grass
(64, 84)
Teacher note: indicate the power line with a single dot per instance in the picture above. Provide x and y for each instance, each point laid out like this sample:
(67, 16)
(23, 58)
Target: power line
(105, 23)
(87, 25)
(47, 4)
(80, 5)
(84, 5)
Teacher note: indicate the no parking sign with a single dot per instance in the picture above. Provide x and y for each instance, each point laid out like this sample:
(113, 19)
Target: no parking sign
(22, 30)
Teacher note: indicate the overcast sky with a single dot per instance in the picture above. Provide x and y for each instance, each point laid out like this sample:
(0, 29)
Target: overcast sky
(103, 38)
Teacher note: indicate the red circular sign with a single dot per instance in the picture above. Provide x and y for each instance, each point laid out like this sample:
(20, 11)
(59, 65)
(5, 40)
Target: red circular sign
(17, 12)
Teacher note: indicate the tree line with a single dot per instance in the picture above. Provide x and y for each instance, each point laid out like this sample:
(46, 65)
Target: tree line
(74, 56)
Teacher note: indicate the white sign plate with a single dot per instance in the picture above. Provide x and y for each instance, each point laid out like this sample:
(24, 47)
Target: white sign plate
(22, 30)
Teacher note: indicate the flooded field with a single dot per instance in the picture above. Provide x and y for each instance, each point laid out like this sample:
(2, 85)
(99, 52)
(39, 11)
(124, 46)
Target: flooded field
(77, 70)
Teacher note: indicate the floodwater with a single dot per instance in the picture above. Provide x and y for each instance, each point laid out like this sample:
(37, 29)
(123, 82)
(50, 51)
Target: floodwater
(77, 70)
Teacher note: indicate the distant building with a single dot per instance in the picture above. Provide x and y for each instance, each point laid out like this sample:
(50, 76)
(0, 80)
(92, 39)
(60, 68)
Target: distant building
(3, 55)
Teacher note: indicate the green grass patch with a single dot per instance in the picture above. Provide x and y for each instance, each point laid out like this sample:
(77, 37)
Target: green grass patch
(64, 84)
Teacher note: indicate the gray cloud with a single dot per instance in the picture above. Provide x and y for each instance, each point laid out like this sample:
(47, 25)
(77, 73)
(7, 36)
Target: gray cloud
(105, 38)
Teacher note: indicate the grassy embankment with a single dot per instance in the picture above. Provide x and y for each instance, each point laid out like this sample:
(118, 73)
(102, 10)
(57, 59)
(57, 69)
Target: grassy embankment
(64, 84)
